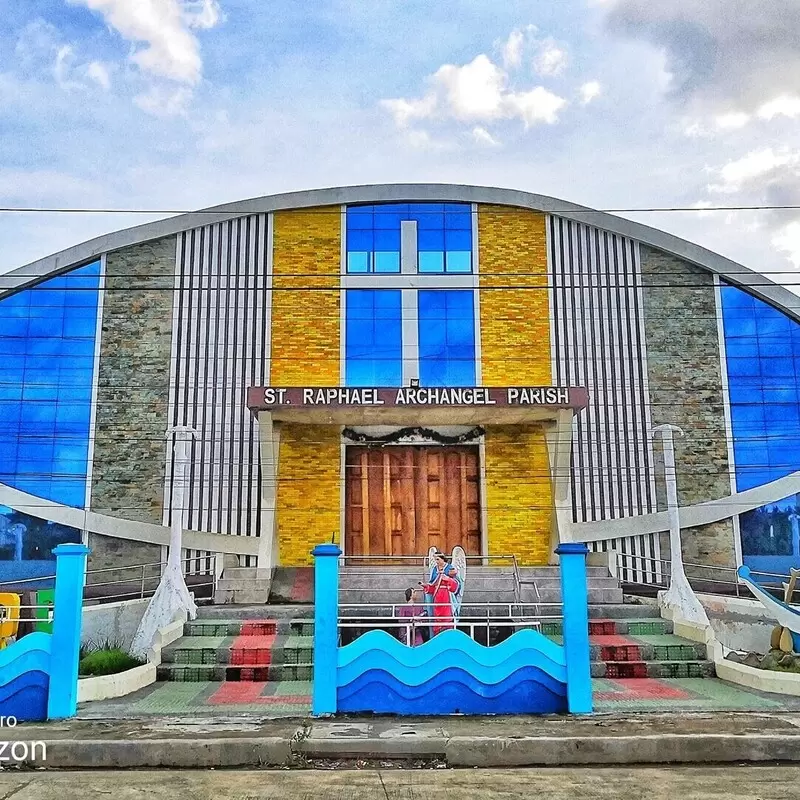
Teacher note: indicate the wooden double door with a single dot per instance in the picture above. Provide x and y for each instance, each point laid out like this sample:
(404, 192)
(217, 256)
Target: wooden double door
(403, 500)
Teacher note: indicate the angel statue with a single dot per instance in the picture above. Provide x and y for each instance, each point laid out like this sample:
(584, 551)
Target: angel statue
(445, 587)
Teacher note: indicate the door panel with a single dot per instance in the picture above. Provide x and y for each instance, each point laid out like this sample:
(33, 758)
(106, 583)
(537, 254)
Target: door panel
(404, 500)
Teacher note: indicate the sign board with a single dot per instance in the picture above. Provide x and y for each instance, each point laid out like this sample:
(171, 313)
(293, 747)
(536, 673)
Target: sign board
(273, 398)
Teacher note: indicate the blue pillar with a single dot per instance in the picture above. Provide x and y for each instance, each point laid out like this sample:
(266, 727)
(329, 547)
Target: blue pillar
(576, 626)
(326, 628)
(62, 700)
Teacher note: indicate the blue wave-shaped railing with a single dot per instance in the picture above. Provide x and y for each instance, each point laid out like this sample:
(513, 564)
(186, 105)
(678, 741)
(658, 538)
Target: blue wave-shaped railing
(452, 673)
(453, 691)
(416, 665)
(25, 677)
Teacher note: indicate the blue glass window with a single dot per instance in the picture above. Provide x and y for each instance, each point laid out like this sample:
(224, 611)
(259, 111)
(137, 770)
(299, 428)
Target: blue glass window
(446, 338)
(762, 351)
(373, 338)
(47, 344)
(444, 237)
(771, 538)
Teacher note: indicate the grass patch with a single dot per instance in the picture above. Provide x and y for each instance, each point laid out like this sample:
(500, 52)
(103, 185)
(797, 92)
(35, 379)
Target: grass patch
(107, 659)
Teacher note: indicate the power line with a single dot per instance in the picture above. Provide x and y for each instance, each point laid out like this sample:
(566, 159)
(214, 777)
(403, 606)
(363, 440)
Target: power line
(334, 210)
(386, 285)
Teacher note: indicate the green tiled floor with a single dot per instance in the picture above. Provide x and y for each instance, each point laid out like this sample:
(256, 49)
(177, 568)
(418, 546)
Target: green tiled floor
(282, 699)
(288, 699)
(684, 695)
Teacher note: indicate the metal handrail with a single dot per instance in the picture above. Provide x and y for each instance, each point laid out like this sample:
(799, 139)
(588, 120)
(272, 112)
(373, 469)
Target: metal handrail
(149, 564)
(111, 597)
(28, 580)
(413, 623)
(143, 578)
(484, 557)
(711, 567)
(517, 582)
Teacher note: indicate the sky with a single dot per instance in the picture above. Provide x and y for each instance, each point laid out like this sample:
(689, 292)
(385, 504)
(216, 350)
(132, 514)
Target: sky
(183, 104)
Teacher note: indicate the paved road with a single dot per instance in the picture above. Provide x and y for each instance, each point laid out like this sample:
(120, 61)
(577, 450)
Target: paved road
(699, 783)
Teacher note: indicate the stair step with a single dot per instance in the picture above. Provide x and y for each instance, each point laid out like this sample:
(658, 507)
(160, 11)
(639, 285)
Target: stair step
(554, 582)
(240, 627)
(479, 596)
(242, 584)
(196, 673)
(612, 650)
(247, 573)
(617, 611)
(616, 627)
(240, 650)
(255, 611)
(653, 669)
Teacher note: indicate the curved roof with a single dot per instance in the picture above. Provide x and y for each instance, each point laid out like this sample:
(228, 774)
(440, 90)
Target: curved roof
(83, 253)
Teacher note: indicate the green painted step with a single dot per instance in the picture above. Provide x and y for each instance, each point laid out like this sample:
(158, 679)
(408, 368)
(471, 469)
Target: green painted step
(219, 651)
(622, 611)
(233, 627)
(221, 672)
(653, 669)
(645, 652)
(619, 627)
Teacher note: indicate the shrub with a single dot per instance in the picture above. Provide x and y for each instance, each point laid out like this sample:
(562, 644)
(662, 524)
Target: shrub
(107, 659)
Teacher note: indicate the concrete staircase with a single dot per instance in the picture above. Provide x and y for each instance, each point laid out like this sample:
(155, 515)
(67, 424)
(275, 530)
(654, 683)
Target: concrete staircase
(272, 643)
(243, 586)
(245, 646)
(627, 640)
(261, 631)
(538, 587)
(639, 647)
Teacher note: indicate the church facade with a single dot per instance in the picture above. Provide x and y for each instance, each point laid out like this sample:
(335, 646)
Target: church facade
(392, 368)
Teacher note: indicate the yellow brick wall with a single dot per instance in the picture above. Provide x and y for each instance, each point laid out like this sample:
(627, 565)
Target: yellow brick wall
(305, 352)
(305, 324)
(515, 351)
(519, 499)
(515, 323)
(309, 486)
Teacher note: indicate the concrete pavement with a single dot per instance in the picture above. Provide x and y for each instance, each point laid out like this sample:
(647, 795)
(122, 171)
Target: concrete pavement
(455, 741)
(688, 783)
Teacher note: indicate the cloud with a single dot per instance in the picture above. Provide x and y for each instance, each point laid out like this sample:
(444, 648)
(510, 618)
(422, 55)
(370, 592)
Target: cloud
(788, 242)
(512, 50)
(550, 60)
(482, 136)
(163, 30)
(758, 166)
(476, 92)
(165, 101)
(724, 56)
(99, 73)
(785, 105)
(768, 177)
(535, 106)
(42, 51)
(590, 91)
(732, 121)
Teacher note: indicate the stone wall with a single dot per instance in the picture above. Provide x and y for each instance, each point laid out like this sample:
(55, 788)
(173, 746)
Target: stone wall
(685, 377)
(133, 397)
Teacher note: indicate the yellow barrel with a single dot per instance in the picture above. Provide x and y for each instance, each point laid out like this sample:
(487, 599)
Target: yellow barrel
(9, 617)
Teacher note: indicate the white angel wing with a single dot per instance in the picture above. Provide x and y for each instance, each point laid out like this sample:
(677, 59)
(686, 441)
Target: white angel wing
(430, 564)
(459, 561)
